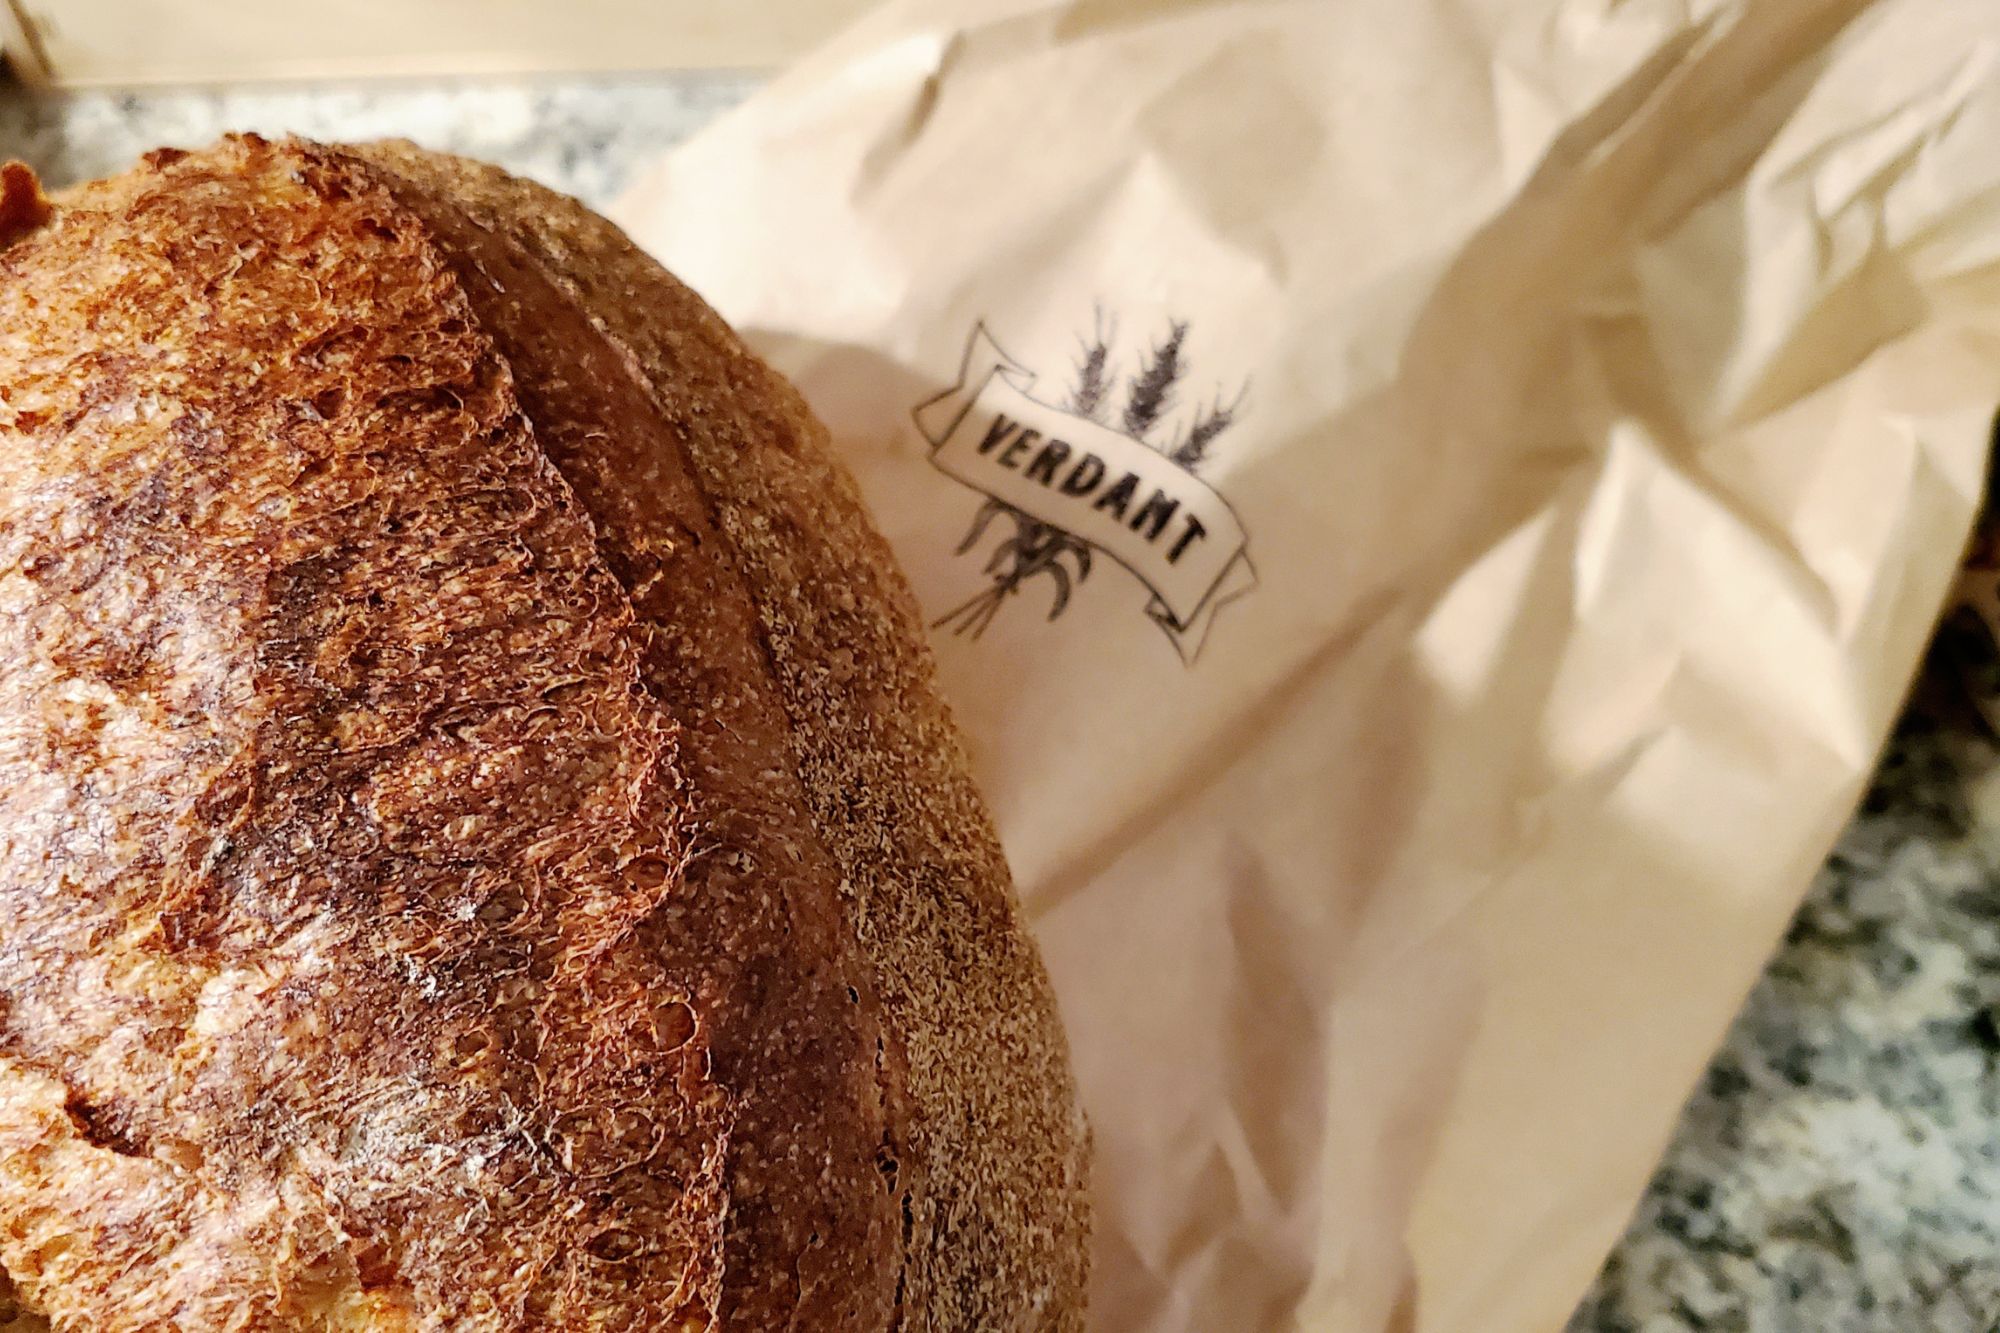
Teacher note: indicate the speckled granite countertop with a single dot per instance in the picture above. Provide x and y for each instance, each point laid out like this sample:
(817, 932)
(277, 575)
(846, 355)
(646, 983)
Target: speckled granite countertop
(1838, 1171)
(583, 138)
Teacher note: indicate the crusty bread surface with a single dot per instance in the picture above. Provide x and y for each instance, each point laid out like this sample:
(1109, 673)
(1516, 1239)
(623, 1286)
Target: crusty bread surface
(480, 845)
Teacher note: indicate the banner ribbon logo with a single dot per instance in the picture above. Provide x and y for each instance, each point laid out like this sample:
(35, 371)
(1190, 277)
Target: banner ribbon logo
(1115, 493)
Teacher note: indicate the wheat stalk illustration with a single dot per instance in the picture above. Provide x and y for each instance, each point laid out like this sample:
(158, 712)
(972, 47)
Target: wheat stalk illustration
(1152, 389)
(1087, 400)
(1214, 419)
(1036, 549)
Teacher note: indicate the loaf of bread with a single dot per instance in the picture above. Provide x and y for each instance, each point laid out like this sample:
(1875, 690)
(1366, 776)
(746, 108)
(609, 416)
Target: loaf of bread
(480, 845)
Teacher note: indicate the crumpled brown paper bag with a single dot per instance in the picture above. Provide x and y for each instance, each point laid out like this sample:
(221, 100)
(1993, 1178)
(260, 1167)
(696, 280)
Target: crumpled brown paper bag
(1430, 507)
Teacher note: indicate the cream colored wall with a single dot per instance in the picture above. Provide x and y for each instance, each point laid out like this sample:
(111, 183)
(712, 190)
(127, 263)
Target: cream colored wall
(110, 43)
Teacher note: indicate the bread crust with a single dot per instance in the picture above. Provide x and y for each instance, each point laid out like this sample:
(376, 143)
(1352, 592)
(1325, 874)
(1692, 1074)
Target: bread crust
(479, 844)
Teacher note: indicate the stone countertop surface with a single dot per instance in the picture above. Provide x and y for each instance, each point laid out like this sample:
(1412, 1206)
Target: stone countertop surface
(582, 137)
(1837, 1170)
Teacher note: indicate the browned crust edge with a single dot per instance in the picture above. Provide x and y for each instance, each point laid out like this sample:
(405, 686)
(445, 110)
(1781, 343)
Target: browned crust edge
(1000, 1239)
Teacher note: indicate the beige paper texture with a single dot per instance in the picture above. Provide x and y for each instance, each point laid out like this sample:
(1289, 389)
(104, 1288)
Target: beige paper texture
(1583, 404)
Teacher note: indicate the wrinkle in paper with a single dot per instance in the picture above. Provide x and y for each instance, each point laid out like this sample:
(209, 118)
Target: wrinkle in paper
(1613, 388)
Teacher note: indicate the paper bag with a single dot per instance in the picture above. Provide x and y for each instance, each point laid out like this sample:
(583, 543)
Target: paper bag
(1428, 510)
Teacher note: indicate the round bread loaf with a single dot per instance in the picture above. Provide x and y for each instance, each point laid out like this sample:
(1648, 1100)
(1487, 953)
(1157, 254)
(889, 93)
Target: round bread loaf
(480, 845)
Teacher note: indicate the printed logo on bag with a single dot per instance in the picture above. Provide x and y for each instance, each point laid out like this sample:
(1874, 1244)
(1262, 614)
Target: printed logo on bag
(1101, 472)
